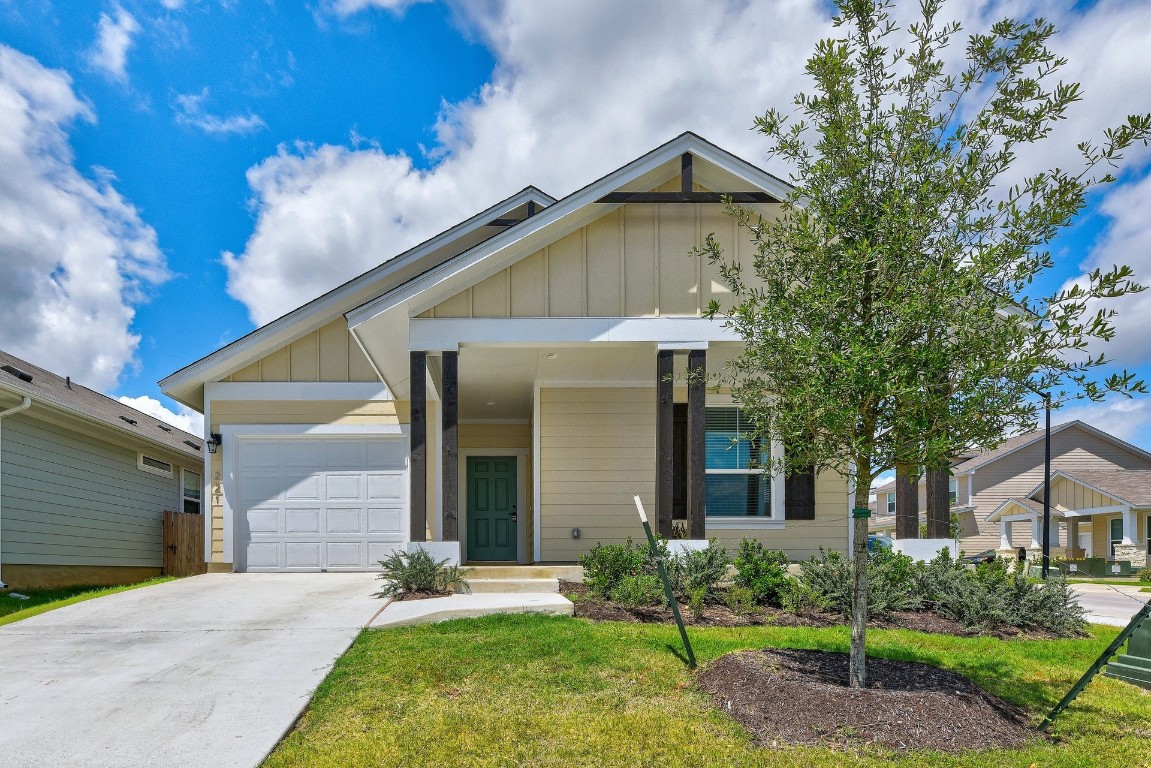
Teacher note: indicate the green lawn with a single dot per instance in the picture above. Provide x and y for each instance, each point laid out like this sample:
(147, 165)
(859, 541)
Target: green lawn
(549, 691)
(44, 600)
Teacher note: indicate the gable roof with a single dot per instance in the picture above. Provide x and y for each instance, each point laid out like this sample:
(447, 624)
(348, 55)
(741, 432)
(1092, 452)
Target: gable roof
(59, 392)
(568, 214)
(1130, 486)
(1019, 442)
(1026, 503)
(186, 384)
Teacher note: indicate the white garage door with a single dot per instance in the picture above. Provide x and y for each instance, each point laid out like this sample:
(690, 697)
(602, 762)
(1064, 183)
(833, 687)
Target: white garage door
(321, 503)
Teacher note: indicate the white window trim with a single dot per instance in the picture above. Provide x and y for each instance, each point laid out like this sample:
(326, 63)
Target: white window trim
(777, 511)
(890, 503)
(140, 465)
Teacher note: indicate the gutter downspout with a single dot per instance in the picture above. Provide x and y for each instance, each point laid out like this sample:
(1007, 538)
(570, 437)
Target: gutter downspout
(22, 407)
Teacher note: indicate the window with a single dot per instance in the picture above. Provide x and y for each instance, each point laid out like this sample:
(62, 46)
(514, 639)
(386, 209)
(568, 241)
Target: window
(891, 503)
(191, 491)
(953, 490)
(153, 465)
(735, 484)
(1116, 533)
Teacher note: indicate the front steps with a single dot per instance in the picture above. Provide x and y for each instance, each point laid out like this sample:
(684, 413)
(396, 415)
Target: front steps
(520, 579)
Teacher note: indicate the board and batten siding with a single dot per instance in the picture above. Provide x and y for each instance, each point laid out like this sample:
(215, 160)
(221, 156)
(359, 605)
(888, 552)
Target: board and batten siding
(360, 412)
(1017, 474)
(327, 354)
(73, 499)
(597, 451)
(631, 262)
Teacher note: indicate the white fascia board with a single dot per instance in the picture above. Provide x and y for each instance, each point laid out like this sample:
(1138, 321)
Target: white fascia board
(444, 276)
(296, 390)
(430, 333)
(1091, 511)
(326, 308)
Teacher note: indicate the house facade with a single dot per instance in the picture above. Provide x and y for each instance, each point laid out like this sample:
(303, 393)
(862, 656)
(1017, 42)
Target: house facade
(983, 482)
(84, 482)
(505, 389)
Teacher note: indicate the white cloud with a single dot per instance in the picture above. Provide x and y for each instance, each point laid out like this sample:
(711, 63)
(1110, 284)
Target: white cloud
(349, 7)
(190, 111)
(579, 89)
(74, 255)
(184, 418)
(1127, 418)
(172, 5)
(109, 54)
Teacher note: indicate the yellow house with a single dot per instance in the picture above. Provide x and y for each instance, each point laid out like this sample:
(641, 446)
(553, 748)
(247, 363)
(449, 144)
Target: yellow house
(501, 391)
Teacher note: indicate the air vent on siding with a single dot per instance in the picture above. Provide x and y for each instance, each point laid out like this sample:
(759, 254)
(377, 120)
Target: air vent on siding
(166, 429)
(133, 422)
(191, 444)
(22, 375)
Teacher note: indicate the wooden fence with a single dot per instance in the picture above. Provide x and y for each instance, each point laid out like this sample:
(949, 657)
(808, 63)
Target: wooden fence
(183, 544)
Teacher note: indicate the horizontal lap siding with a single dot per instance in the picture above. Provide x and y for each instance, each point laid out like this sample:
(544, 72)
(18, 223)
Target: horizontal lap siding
(597, 450)
(71, 499)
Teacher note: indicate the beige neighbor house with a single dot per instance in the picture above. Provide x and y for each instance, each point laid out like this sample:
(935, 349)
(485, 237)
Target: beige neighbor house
(982, 483)
(84, 482)
(502, 391)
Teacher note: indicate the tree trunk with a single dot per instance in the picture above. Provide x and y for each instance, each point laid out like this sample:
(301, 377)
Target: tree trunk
(938, 505)
(857, 666)
(906, 502)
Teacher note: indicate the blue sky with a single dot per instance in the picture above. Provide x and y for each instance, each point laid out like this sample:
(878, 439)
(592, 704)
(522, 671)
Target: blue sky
(180, 171)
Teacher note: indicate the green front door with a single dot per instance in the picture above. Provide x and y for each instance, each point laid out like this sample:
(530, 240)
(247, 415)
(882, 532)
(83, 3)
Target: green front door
(491, 508)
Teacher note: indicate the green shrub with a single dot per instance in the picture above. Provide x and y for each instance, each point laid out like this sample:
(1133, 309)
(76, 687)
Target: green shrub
(799, 597)
(638, 590)
(763, 572)
(417, 571)
(696, 599)
(739, 600)
(606, 565)
(699, 569)
(1145, 575)
(890, 582)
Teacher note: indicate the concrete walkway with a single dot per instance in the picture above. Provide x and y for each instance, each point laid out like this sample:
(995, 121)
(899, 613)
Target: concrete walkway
(1112, 604)
(401, 613)
(205, 671)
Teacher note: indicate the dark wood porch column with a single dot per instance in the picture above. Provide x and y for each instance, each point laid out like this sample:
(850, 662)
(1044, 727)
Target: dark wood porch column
(664, 441)
(696, 444)
(938, 504)
(418, 470)
(906, 504)
(450, 480)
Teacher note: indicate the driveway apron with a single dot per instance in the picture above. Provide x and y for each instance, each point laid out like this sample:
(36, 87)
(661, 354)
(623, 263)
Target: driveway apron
(206, 671)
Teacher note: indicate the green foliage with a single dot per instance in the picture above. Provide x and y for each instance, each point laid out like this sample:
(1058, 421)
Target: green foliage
(889, 581)
(1145, 575)
(693, 570)
(739, 600)
(799, 597)
(606, 565)
(638, 590)
(763, 572)
(418, 571)
(696, 599)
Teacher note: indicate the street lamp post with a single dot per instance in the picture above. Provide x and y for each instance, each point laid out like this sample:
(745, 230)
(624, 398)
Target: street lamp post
(1046, 480)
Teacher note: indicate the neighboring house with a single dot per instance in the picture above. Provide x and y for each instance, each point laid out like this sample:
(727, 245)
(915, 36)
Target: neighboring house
(1114, 505)
(509, 385)
(983, 482)
(84, 482)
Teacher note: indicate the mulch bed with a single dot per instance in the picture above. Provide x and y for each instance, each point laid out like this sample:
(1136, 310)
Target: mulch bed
(589, 606)
(421, 595)
(789, 697)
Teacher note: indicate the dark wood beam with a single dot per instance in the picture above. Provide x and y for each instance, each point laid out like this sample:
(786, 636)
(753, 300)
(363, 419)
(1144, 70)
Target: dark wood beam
(938, 504)
(450, 480)
(696, 442)
(531, 208)
(685, 180)
(665, 441)
(418, 468)
(686, 197)
(503, 222)
(906, 504)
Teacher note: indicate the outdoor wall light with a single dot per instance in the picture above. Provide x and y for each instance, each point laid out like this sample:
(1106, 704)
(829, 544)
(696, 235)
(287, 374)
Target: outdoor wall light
(214, 440)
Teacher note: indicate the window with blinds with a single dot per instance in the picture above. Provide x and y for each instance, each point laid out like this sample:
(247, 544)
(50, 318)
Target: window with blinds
(735, 483)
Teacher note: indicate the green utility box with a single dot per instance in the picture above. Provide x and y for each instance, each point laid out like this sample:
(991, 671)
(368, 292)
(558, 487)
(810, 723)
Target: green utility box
(1134, 666)
(1096, 567)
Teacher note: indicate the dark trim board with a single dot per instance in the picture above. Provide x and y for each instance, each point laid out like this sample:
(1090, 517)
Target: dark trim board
(418, 469)
(665, 437)
(450, 486)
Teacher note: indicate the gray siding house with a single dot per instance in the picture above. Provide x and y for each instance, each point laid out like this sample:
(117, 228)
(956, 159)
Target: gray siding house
(981, 483)
(84, 482)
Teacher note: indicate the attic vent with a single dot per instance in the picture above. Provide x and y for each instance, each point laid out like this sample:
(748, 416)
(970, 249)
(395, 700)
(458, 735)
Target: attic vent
(133, 422)
(22, 375)
(190, 443)
(166, 429)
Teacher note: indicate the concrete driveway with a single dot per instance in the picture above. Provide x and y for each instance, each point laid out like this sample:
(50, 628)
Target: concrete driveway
(1112, 604)
(204, 671)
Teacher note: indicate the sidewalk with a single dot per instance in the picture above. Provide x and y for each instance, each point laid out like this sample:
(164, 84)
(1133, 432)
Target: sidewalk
(401, 613)
(1112, 604)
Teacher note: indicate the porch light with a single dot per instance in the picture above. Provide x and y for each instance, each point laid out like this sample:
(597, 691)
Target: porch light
(213, 443)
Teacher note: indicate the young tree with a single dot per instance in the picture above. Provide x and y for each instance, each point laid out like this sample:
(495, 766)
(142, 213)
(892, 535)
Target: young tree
(890, 318)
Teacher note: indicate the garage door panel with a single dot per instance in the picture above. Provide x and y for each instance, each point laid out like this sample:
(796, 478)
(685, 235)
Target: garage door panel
(302, 521)
(302, 554)
(345, 521)
(385, 520)
(322, 503)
